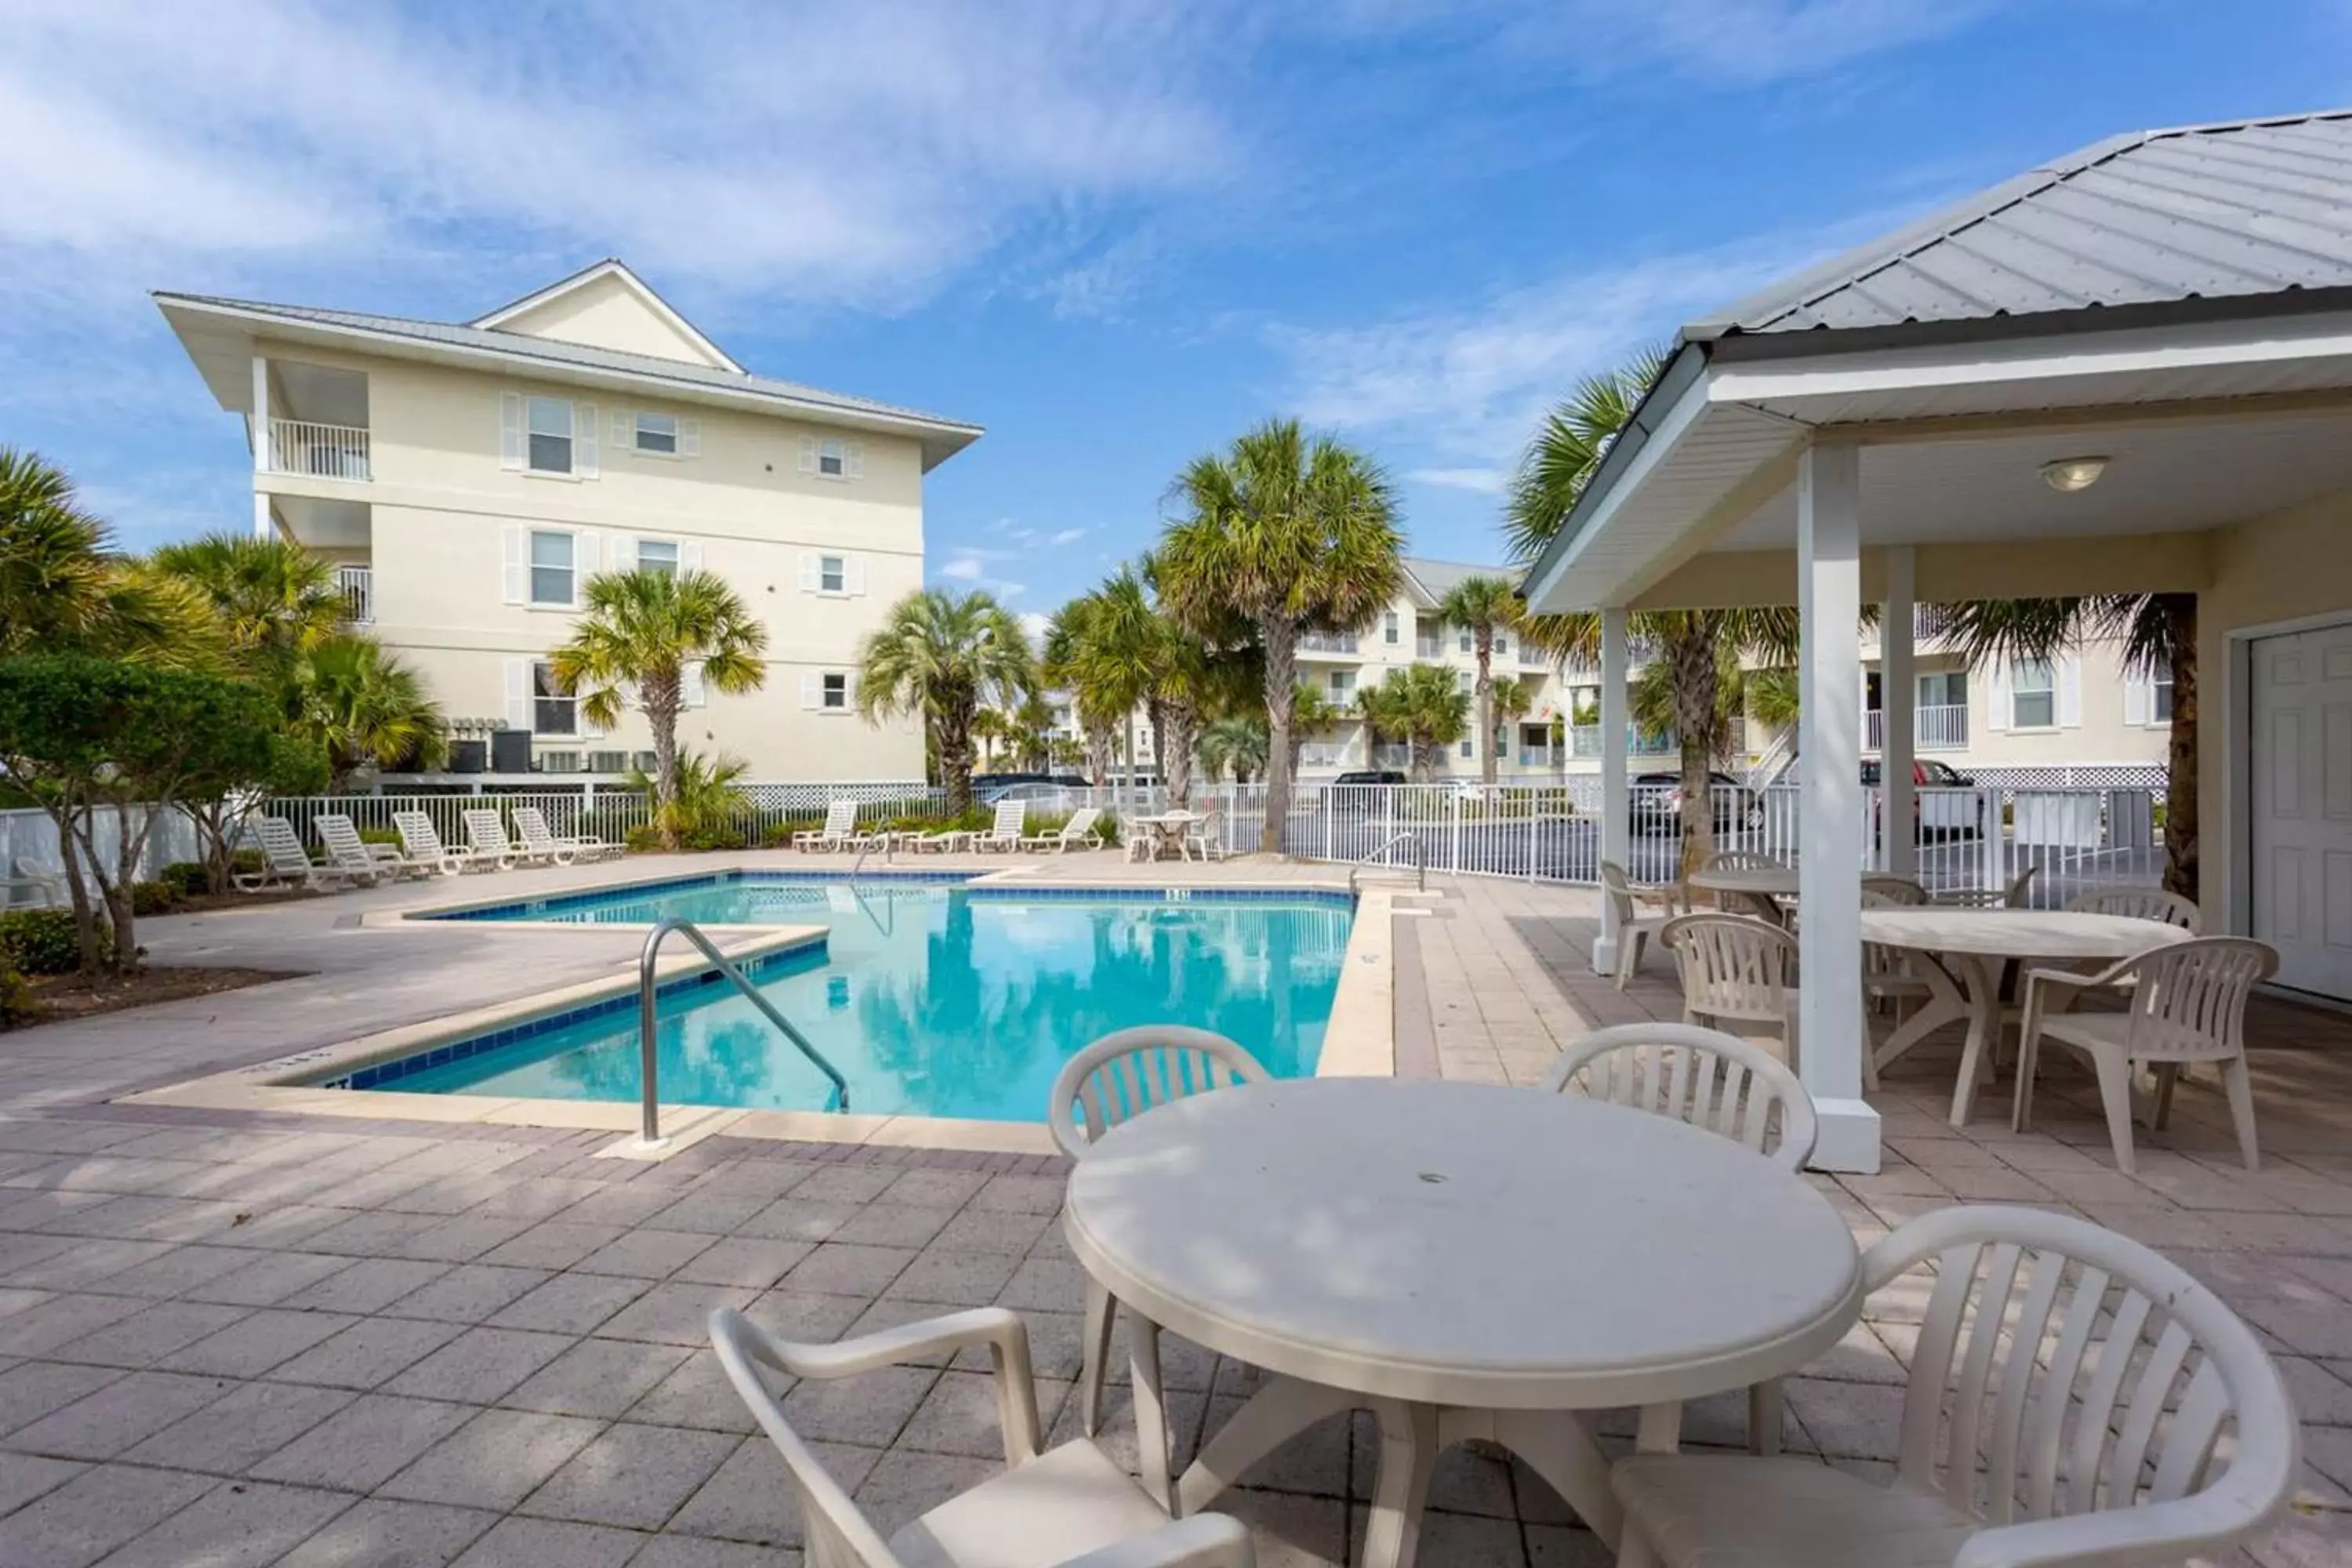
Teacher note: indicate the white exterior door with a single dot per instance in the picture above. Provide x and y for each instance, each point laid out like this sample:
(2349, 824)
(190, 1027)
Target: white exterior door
(2301, 864)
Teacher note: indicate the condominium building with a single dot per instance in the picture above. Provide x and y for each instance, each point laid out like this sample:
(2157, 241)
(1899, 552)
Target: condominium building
(468, 478)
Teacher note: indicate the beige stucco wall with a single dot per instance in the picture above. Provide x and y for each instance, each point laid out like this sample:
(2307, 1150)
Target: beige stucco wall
(607, 313)
(440, 506)
(1375, 657)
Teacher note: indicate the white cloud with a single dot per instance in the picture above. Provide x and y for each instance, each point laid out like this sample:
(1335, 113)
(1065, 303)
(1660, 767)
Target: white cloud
(1486, 481)
(1066, 536)
(1033, 623)
(964, 569)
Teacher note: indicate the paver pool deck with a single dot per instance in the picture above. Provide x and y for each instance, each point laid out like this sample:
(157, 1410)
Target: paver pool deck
(247, 1339)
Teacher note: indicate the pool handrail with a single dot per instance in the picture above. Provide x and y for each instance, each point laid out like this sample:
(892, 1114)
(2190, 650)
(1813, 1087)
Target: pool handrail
(649, 1125)
(1420, 861)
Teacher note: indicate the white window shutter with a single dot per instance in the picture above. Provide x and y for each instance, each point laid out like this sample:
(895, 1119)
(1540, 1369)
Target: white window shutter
(514, 545)
(2070, 692)
(812, 690)
(587, 560)
(624, 430)
(695, 696)
(809, 578)
(510, 430)
(2139, 699)
(1996, 695)
(689, 555)
(624, 552)
(853, 574)
(519, 714)
(853, 461)
(583, 441)
(808, 454)
(689, 437)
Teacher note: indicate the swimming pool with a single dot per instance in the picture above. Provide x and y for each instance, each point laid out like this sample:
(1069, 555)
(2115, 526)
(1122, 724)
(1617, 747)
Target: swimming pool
(932, 998)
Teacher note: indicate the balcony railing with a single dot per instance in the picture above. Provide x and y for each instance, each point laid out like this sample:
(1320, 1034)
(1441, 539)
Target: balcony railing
(1429, 648)
(1535, 756)
(1323, 642)
(1941, 727)
(357, 586)
(1585, 740)
(325, 451)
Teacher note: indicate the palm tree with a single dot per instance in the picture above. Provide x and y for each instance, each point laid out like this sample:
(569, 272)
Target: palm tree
(943, 656)
(989, 728)
(2158, 634)
(64, 588)
(1510, 698)
(1290, 535)
(1117, 647)
(1238, 745)
(1483, 605)
(274, 597)
(362, 705)
(1033, 730)
(649, 629)
(1690, 645)
(706, 796)
(1311, 713)
(1423, 705)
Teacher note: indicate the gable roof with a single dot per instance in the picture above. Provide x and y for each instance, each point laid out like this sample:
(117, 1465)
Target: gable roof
(1428, 581)
(611, 267)
(202, 322)
(2233, 210)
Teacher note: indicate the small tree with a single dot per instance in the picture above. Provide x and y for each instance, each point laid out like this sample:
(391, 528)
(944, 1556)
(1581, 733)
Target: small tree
(944, 657)
(1484, 606)
(1422, 705)
(87, 737)
(217, 805)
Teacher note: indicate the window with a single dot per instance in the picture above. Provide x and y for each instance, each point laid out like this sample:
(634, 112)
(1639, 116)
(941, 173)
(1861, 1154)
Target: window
(1944, 689)
(550, 447)
(1466, 747)
(554, 710)
(657, 556)
(2160, 709)
(834, 693)
(1343, 684)
(1465, 642)
(1388, 632)
(1466, 682)
(832, 459)
(1503, 644)
(658, 433)
(832, 574)
(2032, 695)
(552, 575)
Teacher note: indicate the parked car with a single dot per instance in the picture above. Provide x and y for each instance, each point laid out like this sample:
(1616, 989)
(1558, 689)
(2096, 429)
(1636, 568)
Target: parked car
(1932, 815)
(1658, 803)
(1371, 776)
(1037, 791)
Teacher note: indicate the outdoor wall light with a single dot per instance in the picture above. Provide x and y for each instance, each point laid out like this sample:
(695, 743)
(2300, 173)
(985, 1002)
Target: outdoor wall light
(2069, 475)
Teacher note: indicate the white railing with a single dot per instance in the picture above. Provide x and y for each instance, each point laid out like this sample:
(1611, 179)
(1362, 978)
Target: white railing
(1429, 648)
(325, 451)
(1585, 740)
(357, 586)
(1324, 642)
(1942, 727)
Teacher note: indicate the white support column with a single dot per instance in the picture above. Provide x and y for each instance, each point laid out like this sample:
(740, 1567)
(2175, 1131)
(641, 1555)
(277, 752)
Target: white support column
(1616, 800)
(1899, 697)
(1831, 815)
(260, 432)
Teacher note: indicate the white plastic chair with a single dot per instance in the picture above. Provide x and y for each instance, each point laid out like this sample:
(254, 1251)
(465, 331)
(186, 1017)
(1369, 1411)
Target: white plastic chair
(1003, 834)
(840, 828)
(1902, 891)
(2186, 1004)
(1735, 969)
(2013, 897)
(1742, 860)
(1634, 927)
(421, 842)
(1072, 1505)
(1118, 1078)
(2139, 904)
(1205, 838)
(539, 838)
(2068, 1394)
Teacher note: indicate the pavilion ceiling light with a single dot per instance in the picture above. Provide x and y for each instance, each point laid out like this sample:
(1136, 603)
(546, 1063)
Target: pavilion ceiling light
(2069, 475)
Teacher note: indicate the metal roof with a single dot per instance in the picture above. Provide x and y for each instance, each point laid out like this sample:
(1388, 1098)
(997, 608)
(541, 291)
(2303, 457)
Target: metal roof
(1436, 579)
(2239, 210)
(581, 355)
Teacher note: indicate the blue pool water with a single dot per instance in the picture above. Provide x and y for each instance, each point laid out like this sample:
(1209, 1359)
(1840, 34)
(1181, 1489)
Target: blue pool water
(931, 998)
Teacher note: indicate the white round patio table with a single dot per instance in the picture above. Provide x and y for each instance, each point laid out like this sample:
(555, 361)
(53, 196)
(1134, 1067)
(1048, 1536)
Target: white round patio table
(1467, 1260)
(1760, 885)
(1966, 950)
(1168, 831)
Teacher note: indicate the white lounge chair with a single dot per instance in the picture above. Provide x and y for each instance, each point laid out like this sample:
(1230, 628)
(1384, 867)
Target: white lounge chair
(361, 861)
(1735, 970)
(1711, 1081)
(945, 840)
(538, 839)
(2068, 1390)
(1635, 929)
(421, 842)
(839, 832)
(2186, 1004)
(487, 832)
(1079, 830)
(285, 863)
(1069, 1506)
(1006, 834)
(1119, 1077)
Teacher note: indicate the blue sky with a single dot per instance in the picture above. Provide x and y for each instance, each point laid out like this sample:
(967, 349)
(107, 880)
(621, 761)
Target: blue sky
(1114, 233)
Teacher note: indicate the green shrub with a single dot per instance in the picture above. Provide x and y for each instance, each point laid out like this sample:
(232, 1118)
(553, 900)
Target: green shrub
(247, 862)
(39, 942)
(153, 898)
(186, 879)
(17, 1007)
(380, 836)
(706, 839)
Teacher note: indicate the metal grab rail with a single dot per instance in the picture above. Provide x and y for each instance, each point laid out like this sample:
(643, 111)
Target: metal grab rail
(649, 1126)
(1419, 860)
(885, 840)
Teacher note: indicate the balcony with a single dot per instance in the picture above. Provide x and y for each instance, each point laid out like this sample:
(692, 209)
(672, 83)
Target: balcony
(1585, 740)
(1943, 727)
(357, 586)
(1325, 643)
(1429, 648)
(319, 451)
(1535, 756)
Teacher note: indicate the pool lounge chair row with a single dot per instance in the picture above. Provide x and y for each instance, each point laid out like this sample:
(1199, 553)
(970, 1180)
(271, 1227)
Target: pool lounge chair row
(352, 861)
(1009, 833)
